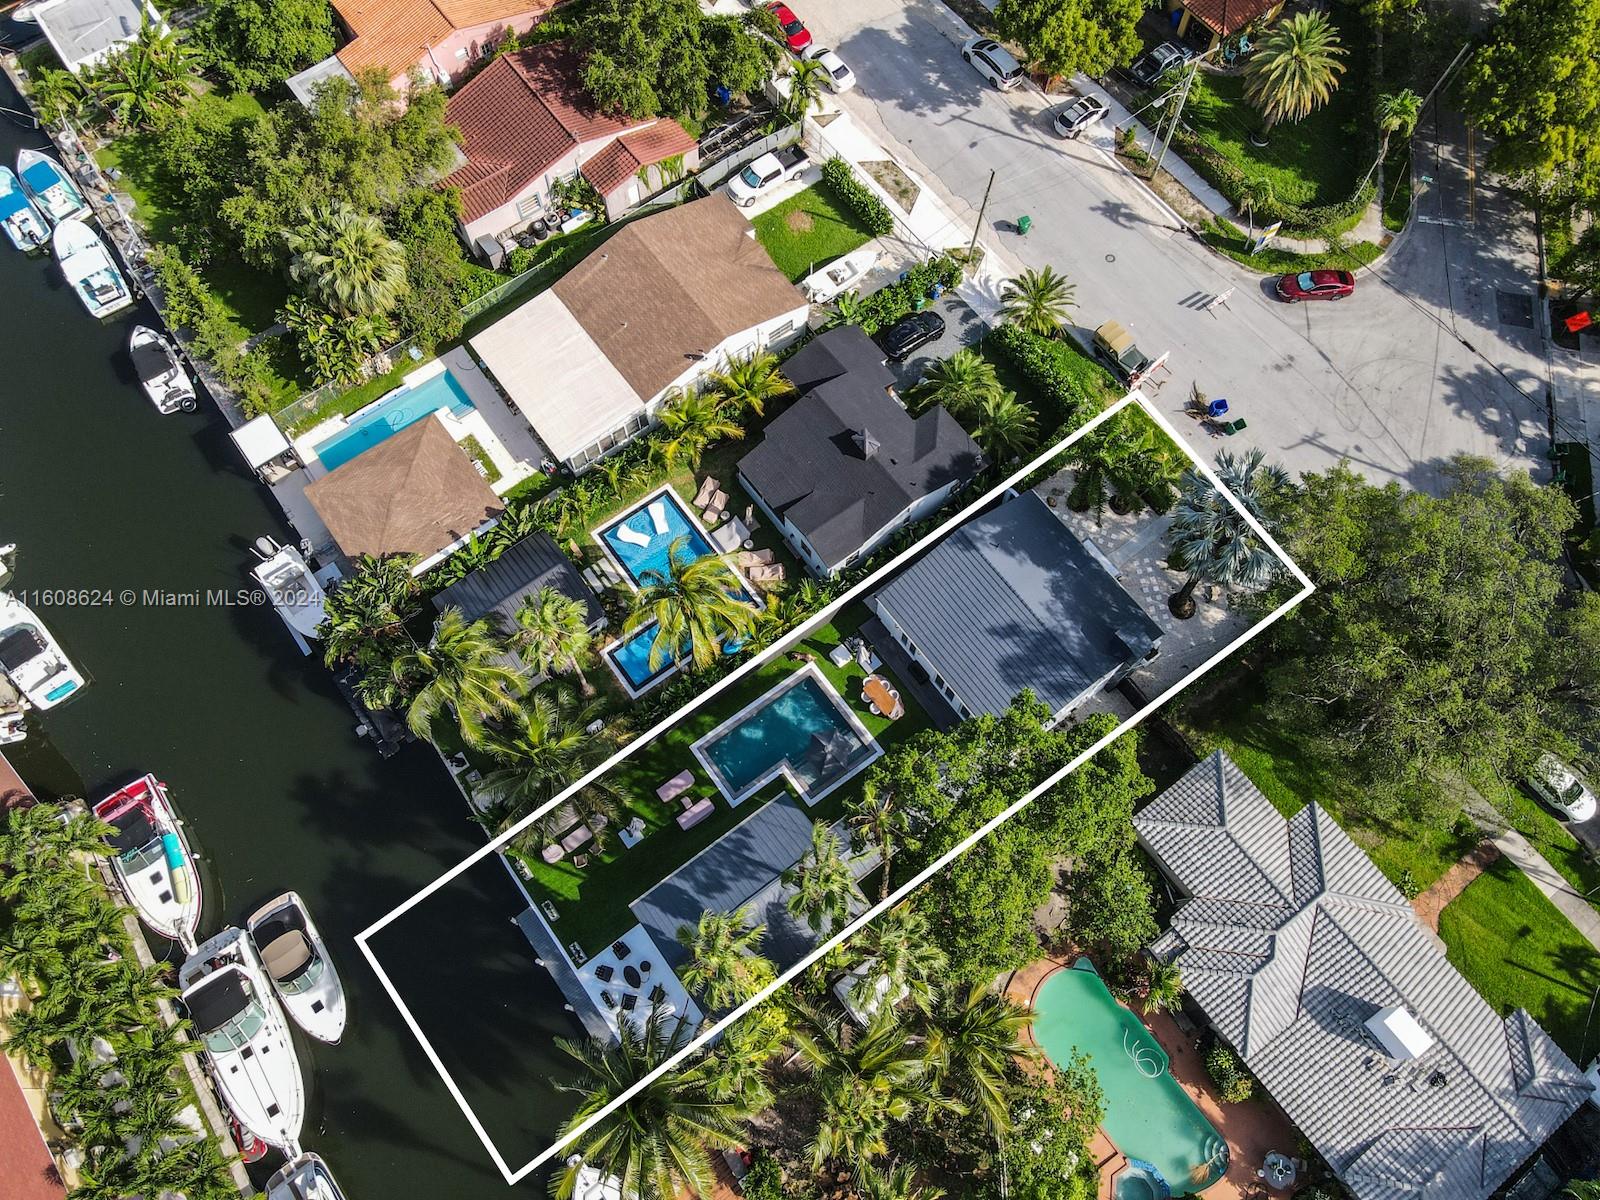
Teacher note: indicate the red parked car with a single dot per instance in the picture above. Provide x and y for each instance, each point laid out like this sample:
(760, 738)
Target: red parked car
(795, 34)
(1316, 285)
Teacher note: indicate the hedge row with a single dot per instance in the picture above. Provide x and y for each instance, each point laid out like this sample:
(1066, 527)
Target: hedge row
(1071, 383)
(857, 197)
(889, 303)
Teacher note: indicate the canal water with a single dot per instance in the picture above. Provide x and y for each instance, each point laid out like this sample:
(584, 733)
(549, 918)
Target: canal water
(121, 517)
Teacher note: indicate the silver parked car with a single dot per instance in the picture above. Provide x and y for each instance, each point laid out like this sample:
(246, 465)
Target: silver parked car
(1072, 119)
(993, 61)
(1559, 786)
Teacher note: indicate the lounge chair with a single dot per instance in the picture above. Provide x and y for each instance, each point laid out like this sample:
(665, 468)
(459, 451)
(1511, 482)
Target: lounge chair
(632, 536)
(620, 949)
(692, 816)
(576, 838)
(772, 574)
(658, 514)
(629, 1001)
(608, 999)
(675, 787)
(576, 954)
(604, 973)
(598, 822)
(757, 558)
(708, 488)
(552, 853)
(716, 508)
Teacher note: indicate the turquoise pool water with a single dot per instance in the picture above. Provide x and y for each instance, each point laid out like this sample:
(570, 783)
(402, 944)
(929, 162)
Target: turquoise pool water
(799, 724)
(1148, 1115)
(389, 416)
(638, 561)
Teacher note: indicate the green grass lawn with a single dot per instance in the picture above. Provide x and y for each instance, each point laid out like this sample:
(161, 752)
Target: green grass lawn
(593, 901)
(1224, 236)
(1548, 835)
(1517, 949)
(808, 231)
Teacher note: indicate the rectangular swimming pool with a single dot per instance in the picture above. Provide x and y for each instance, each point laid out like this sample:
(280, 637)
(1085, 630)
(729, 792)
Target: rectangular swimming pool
(645, 551)
(801, 729)
(386, 417)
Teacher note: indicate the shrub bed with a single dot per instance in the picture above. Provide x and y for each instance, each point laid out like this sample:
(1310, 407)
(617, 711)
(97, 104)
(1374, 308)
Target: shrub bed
(889, 303)
(857, 197)
(1069, 384)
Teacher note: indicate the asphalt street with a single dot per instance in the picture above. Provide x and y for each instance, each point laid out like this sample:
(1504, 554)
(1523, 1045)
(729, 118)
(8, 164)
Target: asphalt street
(1417, 366)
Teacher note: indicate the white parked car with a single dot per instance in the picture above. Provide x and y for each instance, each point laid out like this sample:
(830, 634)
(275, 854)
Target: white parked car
(766, 173)
(839, 276)
(993, 61)
(1559, 786)
(1072, 119)
(838, 76)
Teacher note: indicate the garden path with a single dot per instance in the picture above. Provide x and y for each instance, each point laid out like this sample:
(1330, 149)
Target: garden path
(1452, 883)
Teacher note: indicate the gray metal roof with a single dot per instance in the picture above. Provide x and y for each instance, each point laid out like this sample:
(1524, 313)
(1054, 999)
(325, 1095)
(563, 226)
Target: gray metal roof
(1291, 941)
(811, 468)
(1013, 600)
(81, 30)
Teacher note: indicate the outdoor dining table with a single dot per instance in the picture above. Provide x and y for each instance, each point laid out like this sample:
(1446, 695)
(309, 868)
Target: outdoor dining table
(1278, 1170)
(878, 693)
(631, 974)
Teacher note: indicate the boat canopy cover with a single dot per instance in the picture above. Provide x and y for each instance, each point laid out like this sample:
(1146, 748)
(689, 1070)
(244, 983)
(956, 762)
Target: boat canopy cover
(41, 175)
(217, 1001)
(287, 956)
(19, 646)
(260, 441)
(152, 359)
(12, 201)
(135, 828)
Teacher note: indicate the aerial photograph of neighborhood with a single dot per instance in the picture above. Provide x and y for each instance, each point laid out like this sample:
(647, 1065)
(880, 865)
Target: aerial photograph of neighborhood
(800, 600)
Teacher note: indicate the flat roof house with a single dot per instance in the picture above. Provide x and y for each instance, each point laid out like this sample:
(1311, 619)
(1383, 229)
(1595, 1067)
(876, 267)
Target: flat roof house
(1317, 971)
(1012, 600)
(667, 298)
(526, 121)
(83, 33)
(415, 493)
(846, 465)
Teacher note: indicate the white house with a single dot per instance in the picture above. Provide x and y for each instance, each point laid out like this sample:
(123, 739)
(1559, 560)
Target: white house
(666, 299)
(84, 33)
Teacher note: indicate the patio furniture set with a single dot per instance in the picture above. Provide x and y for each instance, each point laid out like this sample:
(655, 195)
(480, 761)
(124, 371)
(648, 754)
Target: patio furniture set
(881, 698)
(625, 994)
(759, 566)
(676, 789)
(712, 501)
(580, 835)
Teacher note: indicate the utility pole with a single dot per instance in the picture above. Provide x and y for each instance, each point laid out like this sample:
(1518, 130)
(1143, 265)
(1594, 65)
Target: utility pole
(1177, 115)
(982, 208)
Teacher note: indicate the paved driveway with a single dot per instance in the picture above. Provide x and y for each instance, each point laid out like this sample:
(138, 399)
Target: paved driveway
(1416, 367)
(962, 327)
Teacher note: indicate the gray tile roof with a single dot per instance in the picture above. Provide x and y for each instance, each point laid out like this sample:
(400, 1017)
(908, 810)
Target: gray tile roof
(810, 467)
(1291, 941)
(1013, 600)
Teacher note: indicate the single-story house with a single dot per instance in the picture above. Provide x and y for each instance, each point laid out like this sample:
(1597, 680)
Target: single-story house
(1013, 600)
(669, 297)
(439, 38)
(1208, 22)
(415, 493)
(1316, 970)
(846, 465)
(527, 121)
(523, 569)
(83, 33)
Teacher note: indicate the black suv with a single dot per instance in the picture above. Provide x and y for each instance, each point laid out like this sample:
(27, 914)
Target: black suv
(910, 334)
(1151, 67)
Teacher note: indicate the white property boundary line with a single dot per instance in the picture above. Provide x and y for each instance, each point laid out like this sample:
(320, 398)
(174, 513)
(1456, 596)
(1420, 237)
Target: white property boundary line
(705, 1035)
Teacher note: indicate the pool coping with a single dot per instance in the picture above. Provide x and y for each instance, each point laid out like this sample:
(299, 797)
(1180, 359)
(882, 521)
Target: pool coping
(344, 421)
(781, 769)
(608, 652)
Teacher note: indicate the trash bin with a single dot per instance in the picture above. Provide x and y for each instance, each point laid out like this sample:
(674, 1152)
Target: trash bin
(1024, 224)
(1217, 407)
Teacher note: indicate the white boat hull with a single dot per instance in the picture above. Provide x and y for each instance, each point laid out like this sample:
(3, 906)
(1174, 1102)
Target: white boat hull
(306, 1178)
(293, 589)
(89, 269)
(161, 375)
(155, 868)
(282, 931)
(50, 187)
(24, 225)
(32, 659)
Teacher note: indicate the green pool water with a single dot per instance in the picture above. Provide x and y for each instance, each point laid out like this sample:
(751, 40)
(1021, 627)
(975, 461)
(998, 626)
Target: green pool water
(1148, 1115)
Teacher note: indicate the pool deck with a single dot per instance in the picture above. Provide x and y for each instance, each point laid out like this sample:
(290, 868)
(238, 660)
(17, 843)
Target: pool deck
(1252, 1130)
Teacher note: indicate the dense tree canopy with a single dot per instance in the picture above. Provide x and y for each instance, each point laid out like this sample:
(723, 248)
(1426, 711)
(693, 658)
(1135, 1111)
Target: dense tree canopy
(1066, 37)
(254, 44)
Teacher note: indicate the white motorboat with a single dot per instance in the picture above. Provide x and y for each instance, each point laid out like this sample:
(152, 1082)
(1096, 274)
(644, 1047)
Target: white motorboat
(153, 864)
(25, 226)
(87, 264)
(50, 188)
(247, 1044)
(160, 371)
(286, 577)
(305, 1178)
(296, 960)
(28, 14)
(32, 659)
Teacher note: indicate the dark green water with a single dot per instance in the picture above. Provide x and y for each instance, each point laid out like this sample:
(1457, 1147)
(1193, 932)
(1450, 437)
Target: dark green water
(102, 493)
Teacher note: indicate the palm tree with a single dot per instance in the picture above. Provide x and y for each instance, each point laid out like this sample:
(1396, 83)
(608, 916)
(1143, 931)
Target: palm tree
(1255, 194)
(1163, 986)
(848, 309)
(692, 421)
(148, 77)
(750, 381)
(1005, 426)
(805, 87)
(875, 817)
(695, 604)
(346, 261)
(825, 890)
(553, 629)
(656, 1142)
(1395, 112)
(366, 614)
(33, 1034)
(1294, 69)
(1038, 301)
(896, 1181)
(459, 670)
(902, 950)
(1209, 537)
(1120, 463)
(724, 959)
(974, 1043)
(961, 383)
(545, 746)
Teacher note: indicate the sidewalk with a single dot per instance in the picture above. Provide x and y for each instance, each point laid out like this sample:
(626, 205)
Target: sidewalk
(1550, 882)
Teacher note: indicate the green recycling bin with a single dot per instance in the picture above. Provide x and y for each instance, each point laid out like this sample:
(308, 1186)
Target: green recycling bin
(1024, 224)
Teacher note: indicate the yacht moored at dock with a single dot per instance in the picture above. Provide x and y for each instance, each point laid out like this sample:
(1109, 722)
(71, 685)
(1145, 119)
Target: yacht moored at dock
(49, 187)
(294, 591)
(305, 1178)
(87, 264)
(247, 1044)
(160, 371)
(152, 863)
(32, 659)
(295, 958)
(25, 226)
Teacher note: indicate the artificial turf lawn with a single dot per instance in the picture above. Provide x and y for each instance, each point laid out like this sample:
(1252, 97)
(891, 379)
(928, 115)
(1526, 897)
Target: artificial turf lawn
(808, 231)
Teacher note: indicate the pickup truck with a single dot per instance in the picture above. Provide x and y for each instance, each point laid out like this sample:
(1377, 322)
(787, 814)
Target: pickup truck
(765, 173)
(1115, 346)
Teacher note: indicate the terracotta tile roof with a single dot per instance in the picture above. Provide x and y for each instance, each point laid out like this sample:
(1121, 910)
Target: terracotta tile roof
(519, 116)
(14, 793)
(1228, 17)
(413, 494)
(394, 35)
(621, 160)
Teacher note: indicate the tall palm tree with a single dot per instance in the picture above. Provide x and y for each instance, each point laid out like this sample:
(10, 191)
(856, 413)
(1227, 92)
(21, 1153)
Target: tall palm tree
(875, 818)
(961, 383)
(1005, 426)
(1209, 537)
(367, 612)
(691, 421)
(1038, 301)
(459, 671)
(545, 745)
(1118, 464)
(1294, 69)
(695, 604)
(1395, 112)
(893, 1181)
(725, 963)
(750, 381)
(903, 952)
(825, 890)
(805, 87)
(974, 1041)
(148, 77)
(346, 261)
(553, 629)
(658, 1141)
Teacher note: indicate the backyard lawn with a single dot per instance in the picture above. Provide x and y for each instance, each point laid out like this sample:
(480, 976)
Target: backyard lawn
(1520, 952)
(808, 231)
(592, 902)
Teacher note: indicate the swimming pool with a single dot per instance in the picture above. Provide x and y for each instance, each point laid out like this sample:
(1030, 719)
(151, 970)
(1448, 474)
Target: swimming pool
(638, 560)
(801, 729)
(1148, 1114)
(386, 417)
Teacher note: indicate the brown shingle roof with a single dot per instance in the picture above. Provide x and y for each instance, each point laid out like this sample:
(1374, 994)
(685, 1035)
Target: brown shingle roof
(1228, 17)
(671, 286)
(621, 160)
(14, 792)
(517, 118)
(394, 35)
(413, 494)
